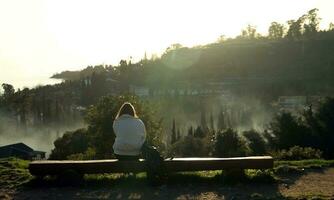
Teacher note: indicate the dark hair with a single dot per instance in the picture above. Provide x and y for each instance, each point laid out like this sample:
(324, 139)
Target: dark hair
(126, 108)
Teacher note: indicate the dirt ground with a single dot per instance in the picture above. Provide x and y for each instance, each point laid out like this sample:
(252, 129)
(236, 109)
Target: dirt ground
(313, 183)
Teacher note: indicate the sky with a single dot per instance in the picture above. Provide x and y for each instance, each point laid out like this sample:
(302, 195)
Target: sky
(41, 37)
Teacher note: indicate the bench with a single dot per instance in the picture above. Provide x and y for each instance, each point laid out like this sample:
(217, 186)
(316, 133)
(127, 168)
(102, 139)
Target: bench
(53, 167)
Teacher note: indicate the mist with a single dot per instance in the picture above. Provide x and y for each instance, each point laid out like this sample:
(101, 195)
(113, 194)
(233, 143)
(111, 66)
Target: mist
(39, 138)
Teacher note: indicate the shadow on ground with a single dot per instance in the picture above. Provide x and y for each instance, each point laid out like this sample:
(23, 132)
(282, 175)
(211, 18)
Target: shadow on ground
(178, 186)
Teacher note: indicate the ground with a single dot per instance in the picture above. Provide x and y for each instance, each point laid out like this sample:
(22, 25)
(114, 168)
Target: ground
(313, 182)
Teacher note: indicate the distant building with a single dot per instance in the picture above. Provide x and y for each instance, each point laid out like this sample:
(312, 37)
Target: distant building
(139, 90)
(21, 150)
(297, 103)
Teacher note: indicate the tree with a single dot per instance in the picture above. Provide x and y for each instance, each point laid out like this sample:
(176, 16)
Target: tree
(8, 94)
(295, 30)
(289, 131)
(221, 38)
(191, 146)
(325, 124)
(199, 133)
(249, 32)
(212, 123)
(256, 142)
(331, 26)
(70, 143)
(174, 134)
(178, 137)
(276, 30)
(204, 125)
(100, 117)
(221, 125)
(190, 131)
(229, 144)
(311, 23)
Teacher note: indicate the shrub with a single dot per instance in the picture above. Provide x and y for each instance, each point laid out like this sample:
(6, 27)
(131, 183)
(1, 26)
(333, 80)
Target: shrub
(289, 131)
(256, 142)
(191, 146)
(229, 144)
(298, 153)
(89, 154)
(70, 143)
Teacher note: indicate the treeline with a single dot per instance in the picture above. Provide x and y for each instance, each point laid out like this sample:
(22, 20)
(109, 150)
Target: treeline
(312, 130)
(293, 59)
(53, 105)
(309, 135)
(44, 106)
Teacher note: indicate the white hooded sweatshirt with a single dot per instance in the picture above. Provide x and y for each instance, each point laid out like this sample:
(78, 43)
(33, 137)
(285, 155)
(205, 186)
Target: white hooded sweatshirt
(130, 135)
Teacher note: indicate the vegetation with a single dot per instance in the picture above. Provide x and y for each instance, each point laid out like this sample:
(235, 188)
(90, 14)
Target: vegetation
(298, 153)
(13, 173)
(294, 59)
(96, 141)
(313, 129)
(229, 144)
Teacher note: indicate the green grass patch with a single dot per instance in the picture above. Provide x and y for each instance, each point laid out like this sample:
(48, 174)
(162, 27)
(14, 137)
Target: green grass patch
(13, 172)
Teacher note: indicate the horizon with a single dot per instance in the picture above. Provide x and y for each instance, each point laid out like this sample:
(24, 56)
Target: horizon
(48, 37)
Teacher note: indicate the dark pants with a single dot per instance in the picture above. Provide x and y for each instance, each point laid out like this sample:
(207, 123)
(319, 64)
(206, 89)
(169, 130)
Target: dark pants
(126, 158)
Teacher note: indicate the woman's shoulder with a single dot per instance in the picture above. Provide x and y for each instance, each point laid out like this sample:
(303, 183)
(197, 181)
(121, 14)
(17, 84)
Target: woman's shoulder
(128, 118)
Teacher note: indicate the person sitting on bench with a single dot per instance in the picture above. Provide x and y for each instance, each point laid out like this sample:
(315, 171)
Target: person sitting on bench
(130, 133)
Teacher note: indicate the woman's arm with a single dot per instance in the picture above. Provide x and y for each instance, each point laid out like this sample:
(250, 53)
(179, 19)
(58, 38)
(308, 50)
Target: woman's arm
(143, 131)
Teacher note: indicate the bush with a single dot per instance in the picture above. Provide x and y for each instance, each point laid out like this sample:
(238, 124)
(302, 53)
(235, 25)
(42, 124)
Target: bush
(89, 154)
(298, 153)
(289, 131)
(256, 142)
(70, 143)
(229, 144)
(191, 146)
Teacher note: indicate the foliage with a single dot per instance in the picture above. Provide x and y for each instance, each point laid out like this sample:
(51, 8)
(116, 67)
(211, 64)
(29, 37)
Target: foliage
(13, 173)
(229, 144)
(256, 143)
(100, 119)
(89, 154)
(320, 124)
(288, 130)
(313, 129)
(70, 143)
(298, 153)
(96, 141)
(249, 32)
(191, 146)
(276, 30)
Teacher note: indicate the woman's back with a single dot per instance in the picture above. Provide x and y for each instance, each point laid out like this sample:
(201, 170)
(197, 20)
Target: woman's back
(130, 135)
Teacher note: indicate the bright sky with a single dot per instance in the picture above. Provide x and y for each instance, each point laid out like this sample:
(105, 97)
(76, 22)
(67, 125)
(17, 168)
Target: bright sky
(42, 37)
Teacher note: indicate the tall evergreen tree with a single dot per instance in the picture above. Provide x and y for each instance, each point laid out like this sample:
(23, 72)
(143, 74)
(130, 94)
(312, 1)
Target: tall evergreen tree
(221, 125)
(174, 136)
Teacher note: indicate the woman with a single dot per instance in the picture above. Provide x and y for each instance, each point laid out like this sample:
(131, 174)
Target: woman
(130, 133)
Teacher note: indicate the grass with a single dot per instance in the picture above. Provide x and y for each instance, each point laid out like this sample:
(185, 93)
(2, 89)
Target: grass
(13, 173)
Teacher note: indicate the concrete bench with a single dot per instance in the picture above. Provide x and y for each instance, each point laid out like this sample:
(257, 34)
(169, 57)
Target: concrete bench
(53, 167)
